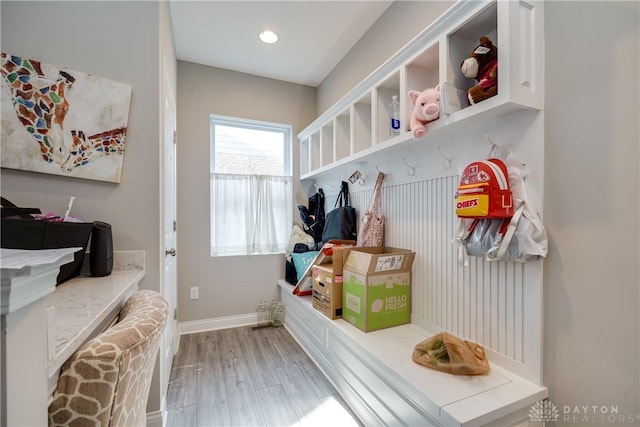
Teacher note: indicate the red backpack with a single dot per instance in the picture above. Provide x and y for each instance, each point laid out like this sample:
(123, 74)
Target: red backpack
(485, 197)
(484, 191)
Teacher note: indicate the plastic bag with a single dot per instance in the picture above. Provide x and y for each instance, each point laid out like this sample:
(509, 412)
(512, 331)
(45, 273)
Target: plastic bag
(299, 236)
(527, 238)
(447, 353)
(484, 236)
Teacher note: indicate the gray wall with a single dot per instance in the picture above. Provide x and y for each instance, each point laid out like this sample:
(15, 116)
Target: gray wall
(118, 41)
(397, 26)
(591, 291)
(128, 53)
(231, 285)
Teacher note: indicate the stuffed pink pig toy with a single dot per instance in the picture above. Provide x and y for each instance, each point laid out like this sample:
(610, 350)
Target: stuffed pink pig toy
(426, 108)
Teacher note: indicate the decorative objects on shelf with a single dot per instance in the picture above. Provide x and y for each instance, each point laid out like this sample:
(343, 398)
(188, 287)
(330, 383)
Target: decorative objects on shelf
(62, 122)
(356, 128)
(482, 65)
(426, 108)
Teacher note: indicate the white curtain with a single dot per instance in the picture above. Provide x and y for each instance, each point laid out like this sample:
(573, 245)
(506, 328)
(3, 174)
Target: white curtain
(250, 214)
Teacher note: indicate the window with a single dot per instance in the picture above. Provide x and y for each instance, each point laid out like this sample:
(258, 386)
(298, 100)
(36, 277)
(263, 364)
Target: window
(251, 193)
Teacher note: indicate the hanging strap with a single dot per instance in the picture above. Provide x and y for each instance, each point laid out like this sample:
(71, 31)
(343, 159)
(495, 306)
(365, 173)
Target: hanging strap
(343, 196)
(508, 235)
(376, 200)
(460, 239)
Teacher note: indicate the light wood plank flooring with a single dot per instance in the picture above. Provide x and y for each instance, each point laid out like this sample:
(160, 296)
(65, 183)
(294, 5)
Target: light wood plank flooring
(250, 377)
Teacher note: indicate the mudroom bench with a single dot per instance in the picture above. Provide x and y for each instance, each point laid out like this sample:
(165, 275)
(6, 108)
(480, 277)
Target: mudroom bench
(375, 375)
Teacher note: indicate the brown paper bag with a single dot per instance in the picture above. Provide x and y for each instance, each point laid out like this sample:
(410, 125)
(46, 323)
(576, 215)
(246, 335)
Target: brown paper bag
(447, 353)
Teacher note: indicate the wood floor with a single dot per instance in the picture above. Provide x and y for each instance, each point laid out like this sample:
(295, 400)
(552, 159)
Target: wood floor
(250, 377)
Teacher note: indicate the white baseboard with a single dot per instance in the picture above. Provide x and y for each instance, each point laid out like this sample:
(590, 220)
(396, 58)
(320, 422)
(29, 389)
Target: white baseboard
(154, 419)
(205, 325)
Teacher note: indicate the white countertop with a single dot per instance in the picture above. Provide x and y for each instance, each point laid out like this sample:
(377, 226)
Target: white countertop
(82, 307)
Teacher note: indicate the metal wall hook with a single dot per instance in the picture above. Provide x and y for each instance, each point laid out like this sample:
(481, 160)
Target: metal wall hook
(412, 169)
(493, 144)
(448, 163)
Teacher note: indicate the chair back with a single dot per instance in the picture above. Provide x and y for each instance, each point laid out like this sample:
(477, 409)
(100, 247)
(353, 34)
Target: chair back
(106, 381)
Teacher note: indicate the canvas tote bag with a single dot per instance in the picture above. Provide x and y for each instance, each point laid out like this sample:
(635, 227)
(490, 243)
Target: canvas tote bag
(372, 222)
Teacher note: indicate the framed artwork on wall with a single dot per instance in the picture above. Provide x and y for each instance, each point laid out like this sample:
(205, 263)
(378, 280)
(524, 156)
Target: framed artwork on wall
(62, 122)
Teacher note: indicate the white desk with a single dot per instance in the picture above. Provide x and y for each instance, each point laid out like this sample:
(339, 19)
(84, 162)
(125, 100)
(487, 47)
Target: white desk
(43, 334)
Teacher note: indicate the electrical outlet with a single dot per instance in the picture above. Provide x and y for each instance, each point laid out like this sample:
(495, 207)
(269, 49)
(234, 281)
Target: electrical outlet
(194, 292)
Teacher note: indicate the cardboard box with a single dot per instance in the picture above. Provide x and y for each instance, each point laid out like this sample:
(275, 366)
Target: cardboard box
(331, 252)
(327, 291)
(376, 287)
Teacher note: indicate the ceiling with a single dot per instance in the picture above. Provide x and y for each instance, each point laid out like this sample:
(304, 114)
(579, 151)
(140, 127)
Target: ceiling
(314, 35)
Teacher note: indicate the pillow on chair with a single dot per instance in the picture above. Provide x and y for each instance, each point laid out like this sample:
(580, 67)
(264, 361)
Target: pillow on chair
(106, 382)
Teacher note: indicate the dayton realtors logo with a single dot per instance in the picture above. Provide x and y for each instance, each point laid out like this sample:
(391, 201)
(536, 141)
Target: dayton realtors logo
(545, 410)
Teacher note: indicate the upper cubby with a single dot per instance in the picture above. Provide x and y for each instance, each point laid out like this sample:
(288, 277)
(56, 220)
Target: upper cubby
(383, 96)
(358, 125)
(463, 40)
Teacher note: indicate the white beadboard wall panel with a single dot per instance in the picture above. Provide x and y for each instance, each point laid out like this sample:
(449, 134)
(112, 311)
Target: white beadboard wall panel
(497, 304)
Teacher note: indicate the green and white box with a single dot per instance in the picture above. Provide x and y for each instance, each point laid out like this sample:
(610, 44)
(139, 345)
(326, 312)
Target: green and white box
(377, 287)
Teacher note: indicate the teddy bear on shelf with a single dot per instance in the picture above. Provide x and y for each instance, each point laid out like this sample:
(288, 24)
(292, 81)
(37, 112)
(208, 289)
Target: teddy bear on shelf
(482, 65)
(426, 108)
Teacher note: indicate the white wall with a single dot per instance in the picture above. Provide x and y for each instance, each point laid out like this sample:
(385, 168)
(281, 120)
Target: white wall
(591, 281)
(118, 41)
(233, 285)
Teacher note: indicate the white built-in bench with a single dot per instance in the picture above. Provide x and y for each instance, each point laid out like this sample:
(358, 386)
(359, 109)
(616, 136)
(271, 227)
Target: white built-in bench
(375, 375)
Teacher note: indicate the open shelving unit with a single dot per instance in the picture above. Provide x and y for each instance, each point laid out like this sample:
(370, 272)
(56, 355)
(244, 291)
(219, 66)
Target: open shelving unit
(358, 125)
(498, 305)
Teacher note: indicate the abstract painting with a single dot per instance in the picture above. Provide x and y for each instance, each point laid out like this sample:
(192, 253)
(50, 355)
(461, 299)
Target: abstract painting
(62, 122)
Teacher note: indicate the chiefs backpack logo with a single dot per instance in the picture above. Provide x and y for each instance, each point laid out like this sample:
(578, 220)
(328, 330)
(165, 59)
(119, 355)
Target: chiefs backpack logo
(484, 191)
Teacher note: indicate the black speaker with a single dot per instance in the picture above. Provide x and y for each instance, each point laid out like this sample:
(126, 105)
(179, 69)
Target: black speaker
(101, 250)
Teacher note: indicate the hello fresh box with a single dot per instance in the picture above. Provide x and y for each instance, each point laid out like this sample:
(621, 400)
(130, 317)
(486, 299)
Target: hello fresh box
(376, 287)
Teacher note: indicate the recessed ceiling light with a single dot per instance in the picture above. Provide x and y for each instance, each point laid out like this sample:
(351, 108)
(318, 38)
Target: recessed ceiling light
(268, 36)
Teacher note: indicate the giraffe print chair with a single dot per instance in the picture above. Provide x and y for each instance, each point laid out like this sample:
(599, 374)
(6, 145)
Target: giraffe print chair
(106, 382)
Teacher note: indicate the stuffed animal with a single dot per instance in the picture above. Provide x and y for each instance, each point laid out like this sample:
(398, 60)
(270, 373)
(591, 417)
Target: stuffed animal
(426, 108)
(482, 65)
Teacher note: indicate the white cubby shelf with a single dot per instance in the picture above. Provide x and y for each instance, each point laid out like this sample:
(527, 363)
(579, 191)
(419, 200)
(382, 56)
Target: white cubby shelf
(357, 126)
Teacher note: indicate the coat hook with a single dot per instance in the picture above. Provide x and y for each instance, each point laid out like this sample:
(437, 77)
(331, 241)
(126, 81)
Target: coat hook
(447, 164)
(412, 169)
(493, 144)
(379, 171)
